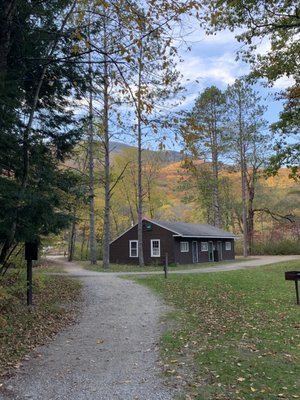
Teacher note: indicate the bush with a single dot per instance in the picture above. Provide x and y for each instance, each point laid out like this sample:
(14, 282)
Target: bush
(283, 247)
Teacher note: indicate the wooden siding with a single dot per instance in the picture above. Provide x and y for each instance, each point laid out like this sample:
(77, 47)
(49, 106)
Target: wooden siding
(203, 256)
(119, 249)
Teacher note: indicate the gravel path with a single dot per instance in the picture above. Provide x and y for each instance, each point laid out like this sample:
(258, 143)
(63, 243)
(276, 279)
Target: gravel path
(110, 354)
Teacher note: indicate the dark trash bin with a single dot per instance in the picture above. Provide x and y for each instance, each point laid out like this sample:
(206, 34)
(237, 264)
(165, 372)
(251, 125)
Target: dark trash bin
(293, 276)
(216, 255)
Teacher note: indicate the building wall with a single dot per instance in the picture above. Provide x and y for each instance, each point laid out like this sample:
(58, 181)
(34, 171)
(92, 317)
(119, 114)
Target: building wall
(203, 256)
(119, 249)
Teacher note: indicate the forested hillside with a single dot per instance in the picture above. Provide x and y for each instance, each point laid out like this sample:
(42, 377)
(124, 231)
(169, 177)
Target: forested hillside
(175, 191)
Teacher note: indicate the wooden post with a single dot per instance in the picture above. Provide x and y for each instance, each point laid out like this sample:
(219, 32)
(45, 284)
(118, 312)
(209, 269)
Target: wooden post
(29, 282)
(166, 266)
(31, 253)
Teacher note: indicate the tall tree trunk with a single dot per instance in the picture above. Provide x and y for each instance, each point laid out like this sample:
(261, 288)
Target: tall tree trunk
(243, 176)
(93, 244)
(215, 170)
(140, 165)
(250, 220)
(151, 208)
(106, 238)
(116, 223)
(82, 242)
(131, 211)
(72, 238)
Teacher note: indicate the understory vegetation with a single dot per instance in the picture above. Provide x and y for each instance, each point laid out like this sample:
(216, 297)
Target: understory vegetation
(22, 328)
(237, 334)
(282, 247)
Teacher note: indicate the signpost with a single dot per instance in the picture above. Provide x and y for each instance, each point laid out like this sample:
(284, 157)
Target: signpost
(166, 266)
(31, 253)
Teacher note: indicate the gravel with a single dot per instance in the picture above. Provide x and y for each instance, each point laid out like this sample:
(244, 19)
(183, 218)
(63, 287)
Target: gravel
(111, 353)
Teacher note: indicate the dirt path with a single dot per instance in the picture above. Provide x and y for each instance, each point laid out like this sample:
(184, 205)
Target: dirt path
(110, 354)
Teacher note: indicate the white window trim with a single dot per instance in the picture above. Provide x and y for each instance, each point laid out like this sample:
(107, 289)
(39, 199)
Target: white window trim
(137, 248)
(228, 246)
(204, 244)
(155, 240)
(184, 247)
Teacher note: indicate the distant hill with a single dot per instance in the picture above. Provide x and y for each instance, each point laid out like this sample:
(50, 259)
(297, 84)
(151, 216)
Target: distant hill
(118, 147)
(167, 156)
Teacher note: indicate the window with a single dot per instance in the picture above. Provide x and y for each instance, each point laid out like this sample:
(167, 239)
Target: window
(133, 248)
(155, 248)
(228, 246)
(184, 247)
(204, 246)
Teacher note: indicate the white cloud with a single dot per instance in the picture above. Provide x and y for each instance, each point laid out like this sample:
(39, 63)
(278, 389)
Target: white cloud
(284, 82)
(200, 70)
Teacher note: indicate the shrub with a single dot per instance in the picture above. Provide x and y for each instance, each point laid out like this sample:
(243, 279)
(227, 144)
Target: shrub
(283, 247)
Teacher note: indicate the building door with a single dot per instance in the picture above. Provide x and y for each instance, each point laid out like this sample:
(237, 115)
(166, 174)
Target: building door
(220, 254)
(195, 252)
(210, 252)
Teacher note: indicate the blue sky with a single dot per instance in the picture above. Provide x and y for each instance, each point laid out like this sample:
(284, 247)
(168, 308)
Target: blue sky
(212, 60)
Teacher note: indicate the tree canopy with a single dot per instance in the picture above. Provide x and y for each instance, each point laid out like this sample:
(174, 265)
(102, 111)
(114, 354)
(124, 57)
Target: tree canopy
(38, 125)
(270, 30)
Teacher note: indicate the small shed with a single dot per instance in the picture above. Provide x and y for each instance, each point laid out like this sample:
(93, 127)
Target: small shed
(184, 243)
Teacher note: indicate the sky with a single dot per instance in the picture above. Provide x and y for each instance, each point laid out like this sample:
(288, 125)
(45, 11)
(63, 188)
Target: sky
(212, 60)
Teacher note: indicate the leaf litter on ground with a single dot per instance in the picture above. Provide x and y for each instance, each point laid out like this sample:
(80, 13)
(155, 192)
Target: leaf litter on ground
(23, 328)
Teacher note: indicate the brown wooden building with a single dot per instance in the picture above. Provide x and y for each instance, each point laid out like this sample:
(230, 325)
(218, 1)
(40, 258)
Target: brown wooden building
(184, 243)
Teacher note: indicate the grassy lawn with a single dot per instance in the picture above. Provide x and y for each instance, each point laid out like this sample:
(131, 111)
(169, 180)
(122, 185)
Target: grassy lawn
(237, 333)
(22, 328)
(151, 268)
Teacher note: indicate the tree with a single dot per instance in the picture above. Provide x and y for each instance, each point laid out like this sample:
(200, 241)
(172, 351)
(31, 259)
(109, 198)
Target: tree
(91, 121)
(276, 22)
(287, 152)
(207, 124)
(35, 90)
(137, 57)
(156, 80)
(125, 202)
(198, 187)
(123, 29)
(243, 131)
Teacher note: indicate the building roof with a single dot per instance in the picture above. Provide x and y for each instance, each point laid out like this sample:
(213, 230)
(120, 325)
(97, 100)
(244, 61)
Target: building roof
(193, 230)
(182, 229)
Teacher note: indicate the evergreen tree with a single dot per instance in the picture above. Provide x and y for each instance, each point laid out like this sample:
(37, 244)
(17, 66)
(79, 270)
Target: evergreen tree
(207, 125)
(38, 127)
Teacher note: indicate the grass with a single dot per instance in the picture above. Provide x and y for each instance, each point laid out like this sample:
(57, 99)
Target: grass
(237, 334)
(134, 268)
(22, 328)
